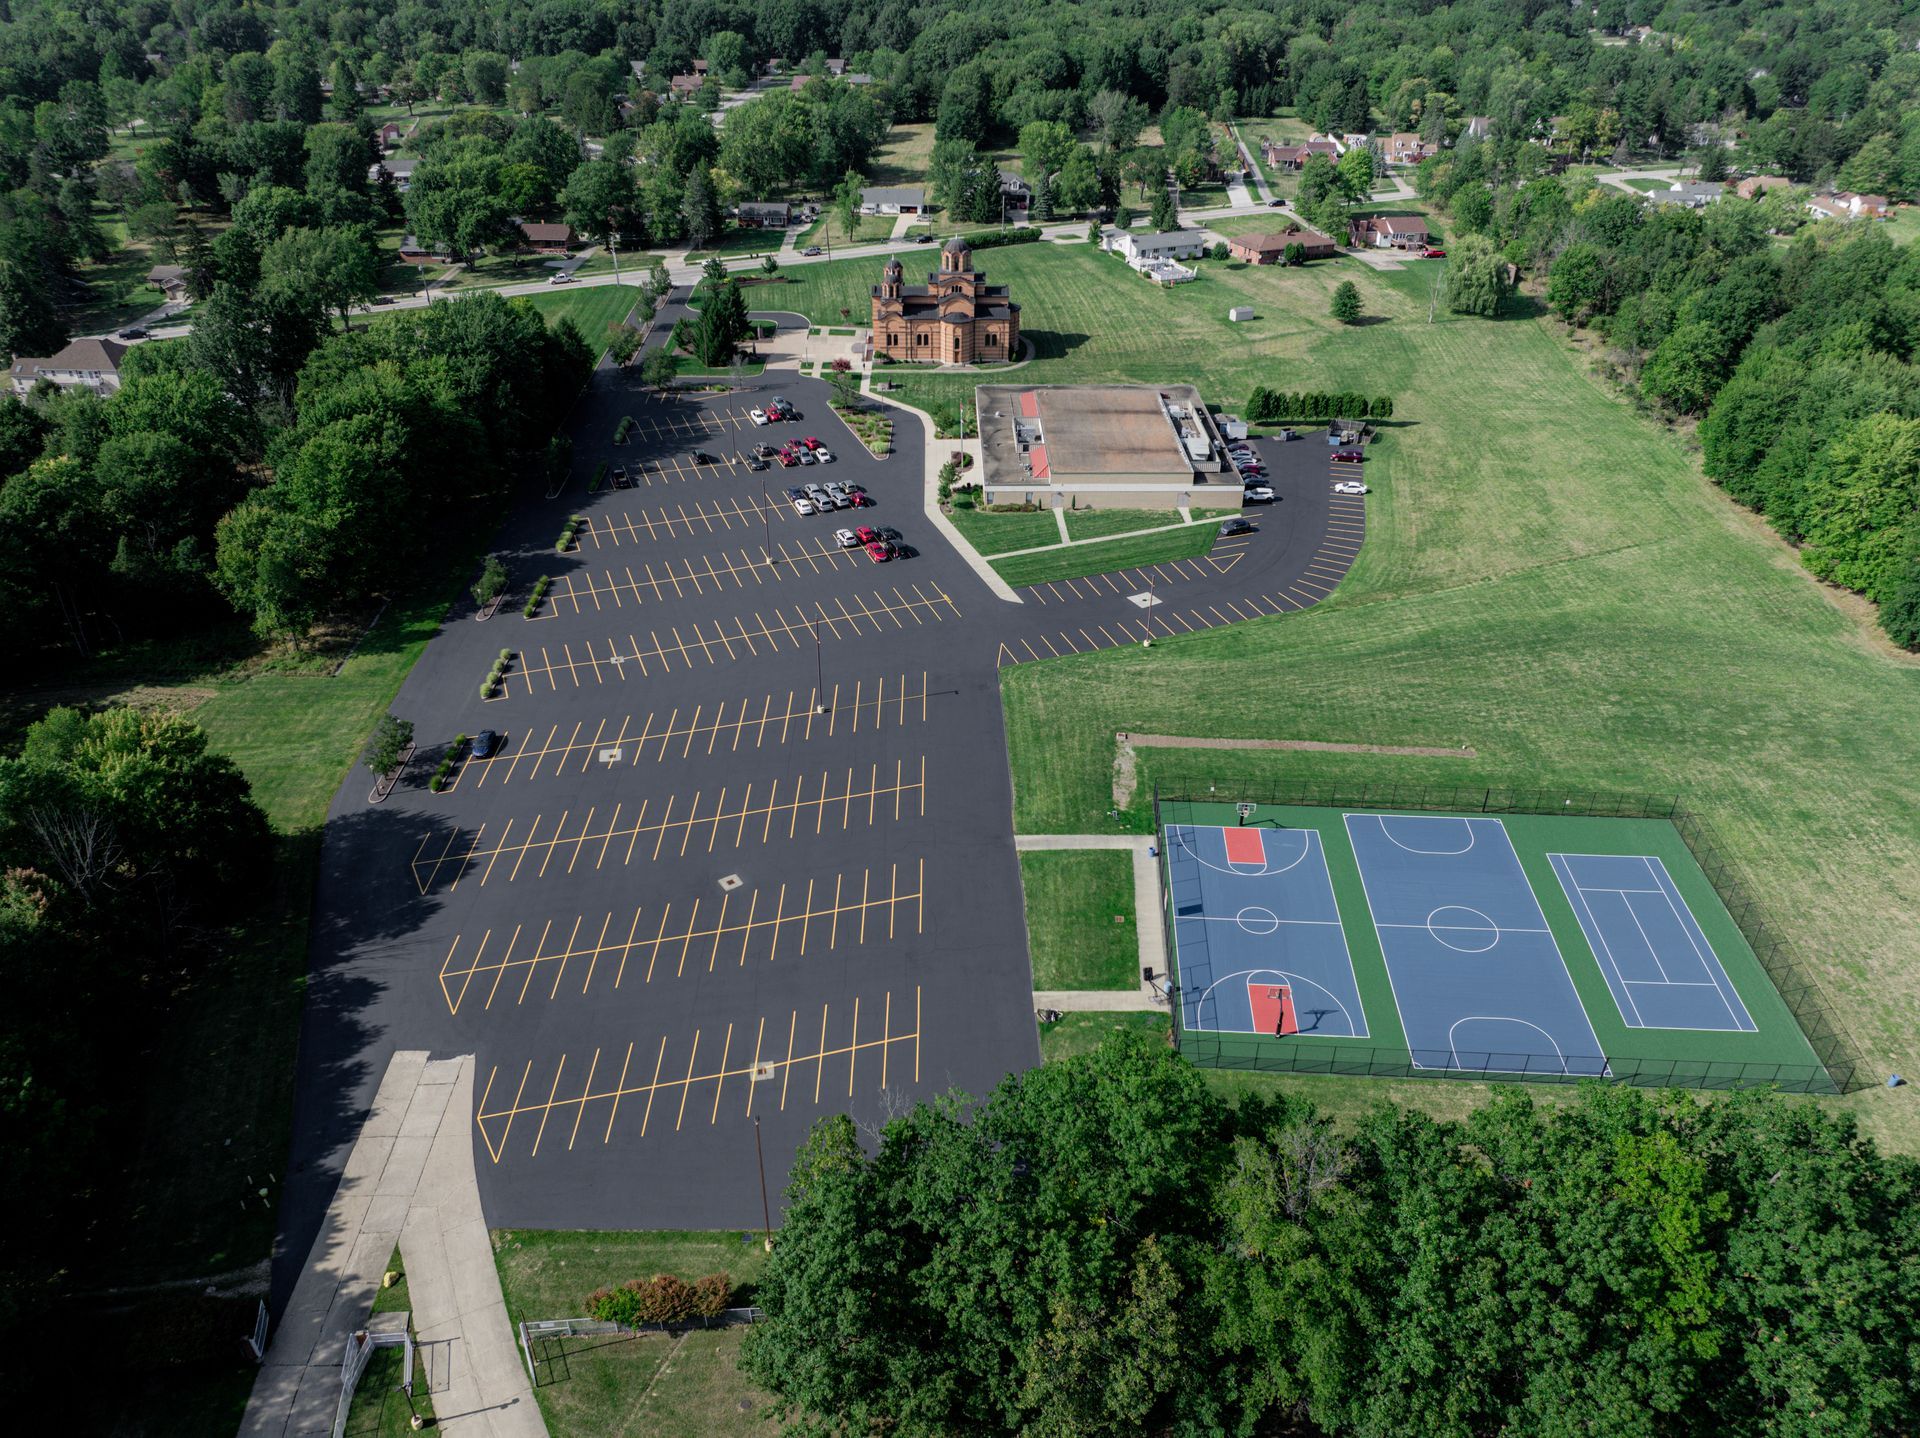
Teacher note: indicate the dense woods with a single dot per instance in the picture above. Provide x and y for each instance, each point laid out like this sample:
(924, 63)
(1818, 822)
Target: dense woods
(1103, 1246)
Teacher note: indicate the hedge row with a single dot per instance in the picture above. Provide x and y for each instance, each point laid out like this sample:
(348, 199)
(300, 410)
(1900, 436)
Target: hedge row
(568, 532)
(540, 588)
(661, 1299)
(993, 239)
(496, 674)
(447, 763)
(623, 429)
(1265, 406)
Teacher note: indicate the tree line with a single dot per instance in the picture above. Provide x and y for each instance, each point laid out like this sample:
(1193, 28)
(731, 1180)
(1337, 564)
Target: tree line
(1105, 1246)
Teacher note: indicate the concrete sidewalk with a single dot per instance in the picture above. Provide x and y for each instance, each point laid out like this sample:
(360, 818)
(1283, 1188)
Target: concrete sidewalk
(408, 1182)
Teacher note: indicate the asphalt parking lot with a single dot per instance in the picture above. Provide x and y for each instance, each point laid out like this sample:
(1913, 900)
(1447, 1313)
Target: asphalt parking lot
(743, 854)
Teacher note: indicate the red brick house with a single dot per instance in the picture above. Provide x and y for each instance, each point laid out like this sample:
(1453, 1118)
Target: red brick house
(1292, 157)
(955, 318)
(1269, 249)
(1397, 232)
(546, 239)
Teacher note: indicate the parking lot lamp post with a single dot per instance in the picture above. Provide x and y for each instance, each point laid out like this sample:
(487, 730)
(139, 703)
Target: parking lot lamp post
(819, 672)
(766, 1214)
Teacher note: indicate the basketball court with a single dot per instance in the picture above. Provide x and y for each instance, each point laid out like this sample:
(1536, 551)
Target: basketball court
(1258, 932)
(1477, 978)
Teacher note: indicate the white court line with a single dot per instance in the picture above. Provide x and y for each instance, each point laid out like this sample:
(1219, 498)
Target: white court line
(1467, 928)
(1647, 939)
(1709, 962)
(1387, 834)
(1559, 1052)
(1183, 830)
(1332, 997)
(1235, 918)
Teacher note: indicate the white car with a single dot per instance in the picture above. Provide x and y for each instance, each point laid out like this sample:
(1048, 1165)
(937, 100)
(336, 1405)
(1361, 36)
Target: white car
(803, 506)
(823, 456)
(758, 416)
(1349, 486)
(560, 277)
(1257, 494)
(846, 538)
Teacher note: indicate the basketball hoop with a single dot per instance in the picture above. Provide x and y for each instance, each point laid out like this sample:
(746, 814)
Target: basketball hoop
(1245, 811)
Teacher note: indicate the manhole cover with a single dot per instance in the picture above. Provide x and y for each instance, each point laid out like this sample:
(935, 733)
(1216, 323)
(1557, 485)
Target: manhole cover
(730, 882)
(1144, 600)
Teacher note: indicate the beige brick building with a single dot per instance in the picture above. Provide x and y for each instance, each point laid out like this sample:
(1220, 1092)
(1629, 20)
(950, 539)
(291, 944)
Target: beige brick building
(955, 318)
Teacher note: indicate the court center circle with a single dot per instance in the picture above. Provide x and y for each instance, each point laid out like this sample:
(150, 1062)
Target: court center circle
(1464, 930)
(1256, 920)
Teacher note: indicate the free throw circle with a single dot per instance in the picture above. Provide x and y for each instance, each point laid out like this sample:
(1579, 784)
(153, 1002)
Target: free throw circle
(1256, 920)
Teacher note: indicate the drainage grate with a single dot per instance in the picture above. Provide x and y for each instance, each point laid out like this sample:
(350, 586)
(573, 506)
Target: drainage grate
(730, 882)
(764, 1071)
(610, 756)
(1146, 599)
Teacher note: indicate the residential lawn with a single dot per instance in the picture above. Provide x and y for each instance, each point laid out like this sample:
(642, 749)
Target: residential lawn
(594, 309)
(903, 157)
(1547, 578)
(734, 242)
(115, 292)
(828, 230)
(1903, 224)
(1645, 186)
(1100, 523)
(688, 1385)
(380, 1409)
(1105, 556)
(998, 533)
(510, 269)
(1080, 919)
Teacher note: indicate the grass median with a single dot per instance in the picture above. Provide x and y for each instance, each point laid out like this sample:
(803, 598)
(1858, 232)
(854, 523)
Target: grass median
(1070, 561)
(1080, 919)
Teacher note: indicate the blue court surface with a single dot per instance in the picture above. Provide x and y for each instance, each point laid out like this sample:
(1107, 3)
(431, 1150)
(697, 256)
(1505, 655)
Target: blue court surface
(1257, 933)
(1661, 969)
(1477, 977)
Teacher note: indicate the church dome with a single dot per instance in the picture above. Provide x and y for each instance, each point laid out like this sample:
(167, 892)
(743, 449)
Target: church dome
(955, 246)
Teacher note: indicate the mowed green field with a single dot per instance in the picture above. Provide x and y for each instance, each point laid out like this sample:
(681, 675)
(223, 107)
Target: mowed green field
(1775, 1051)
(1548, 579)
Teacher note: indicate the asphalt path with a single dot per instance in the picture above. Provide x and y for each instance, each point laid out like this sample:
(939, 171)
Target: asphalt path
(743, 857)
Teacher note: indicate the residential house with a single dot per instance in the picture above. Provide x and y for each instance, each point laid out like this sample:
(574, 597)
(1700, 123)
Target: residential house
(685, 87)
(1292, 157)
(1384, 232)
(765, 215)
(84, 364)
(391, 134)
(893, 200)
(1754, 186)
(854, 77)
(546, 239)
(171, 280)
(700, 68)
(1015, 187)
(1689, 194)
(1845, 205)
(955, 318)
(836, 66)
(1269, 249)
(1142, 250)
(393, 169)
(412, 252)
(1478, 127)
(1403, 147)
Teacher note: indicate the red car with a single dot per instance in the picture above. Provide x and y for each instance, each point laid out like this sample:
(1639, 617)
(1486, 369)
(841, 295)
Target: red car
(880, 551)
(1349, 456)
(1433, 253)
(787, 461)
(867, 534)
(811, 443)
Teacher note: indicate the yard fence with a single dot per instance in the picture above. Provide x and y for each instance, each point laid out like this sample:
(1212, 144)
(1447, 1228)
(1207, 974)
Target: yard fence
(360, 1347)
(1839, 1069)
(540, 1338)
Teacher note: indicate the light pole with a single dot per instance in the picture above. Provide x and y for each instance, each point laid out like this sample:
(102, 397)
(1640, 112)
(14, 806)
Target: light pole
(766, 1213)
(819, 672)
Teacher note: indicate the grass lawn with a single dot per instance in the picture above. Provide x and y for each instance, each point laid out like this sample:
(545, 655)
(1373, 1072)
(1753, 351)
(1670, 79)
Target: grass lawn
(1605, 619)
(116, 291)
(828, 230)
(1903, 224)
(1080, 919)
(736, 241)
(998, 533)
(903, 156)
(1646, 186)
(1099, 523)
(1104, 556)
(686, 1387)
(593, 309)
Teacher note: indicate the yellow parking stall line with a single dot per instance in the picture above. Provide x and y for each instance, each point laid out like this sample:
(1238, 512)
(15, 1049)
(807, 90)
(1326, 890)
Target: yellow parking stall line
(820, 1068)
(806, 918)
(866, 884)
(753, 1074)
(485, 1094)
(786, 1069)
(853, 1052)
(506, 961)
(686, 1085)
(637, 826)
(720, 1079)
(713, 832)
(833, 931)
(554, 842)
(533, 966)
(1032, 653)
(652, 1088)
(886, 1026)
(693, 727)
(740, 830)
(613, 827)
(514, 1111)
(916, 1033)
(541, 1132)
(581, 1112)
(665, 822)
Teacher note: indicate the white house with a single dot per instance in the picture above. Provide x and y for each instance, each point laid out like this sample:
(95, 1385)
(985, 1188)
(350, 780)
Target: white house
(1143, 250)
(84, 364)
(1692, 194)
(1845, 205)
(893, 200)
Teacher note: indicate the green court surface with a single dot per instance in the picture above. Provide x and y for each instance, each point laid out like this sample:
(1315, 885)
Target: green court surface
(1775, 1051)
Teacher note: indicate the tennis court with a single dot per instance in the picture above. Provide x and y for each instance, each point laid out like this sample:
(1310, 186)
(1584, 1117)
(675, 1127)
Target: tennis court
(1660, 967)
(1258, 932)
(1477, 978)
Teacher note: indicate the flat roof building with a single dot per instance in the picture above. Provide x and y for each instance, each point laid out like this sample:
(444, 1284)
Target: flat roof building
(1073, 446)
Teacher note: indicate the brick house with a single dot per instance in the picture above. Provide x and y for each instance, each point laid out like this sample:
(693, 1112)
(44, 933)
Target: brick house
(1269, 249)
(546, 239)
(1384, 232)
(170, 280)
(1754, 186)
(955, 318)
(1292, 157)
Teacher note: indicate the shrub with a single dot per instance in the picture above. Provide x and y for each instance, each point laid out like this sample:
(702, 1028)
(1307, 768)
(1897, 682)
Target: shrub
(486, 689)
(993, 239)
(1218, 252)
(492, 582)
(712, 1294)
(506, 656)
(390, 739)
(599, 477)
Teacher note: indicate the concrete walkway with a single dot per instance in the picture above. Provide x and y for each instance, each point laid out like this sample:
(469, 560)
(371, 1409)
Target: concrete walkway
(1146, 909)
(408, 1182)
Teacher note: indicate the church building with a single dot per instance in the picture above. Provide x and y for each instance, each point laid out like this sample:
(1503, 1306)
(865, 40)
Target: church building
(955, 318)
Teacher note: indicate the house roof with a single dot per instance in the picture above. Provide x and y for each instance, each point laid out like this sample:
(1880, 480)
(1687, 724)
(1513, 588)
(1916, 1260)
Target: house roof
(82, 354)
(765, 207)
(1264, 244)
(893, 195)
(164, 275)
(1165, 238)
(541, 233)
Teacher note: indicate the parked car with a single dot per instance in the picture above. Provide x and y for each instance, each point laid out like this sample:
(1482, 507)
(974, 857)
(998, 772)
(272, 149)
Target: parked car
(805, 456)
(700, 456)
(1349, 486)
(823, 455)
(1257, 494)
(1275, 204)
(923, 239)
(132, 332)
(560, 277)
(867, 534)
(484, 742)
(756, 463)
(619, 477)
(1432, 252)
(880, 551)
(1348, 456)
(846, 539)
(811, 250)
(764, 451)
(803, 506)
(787, 461)
(1236, 526)
(758, 416)
(794, 492)
(812, 442)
